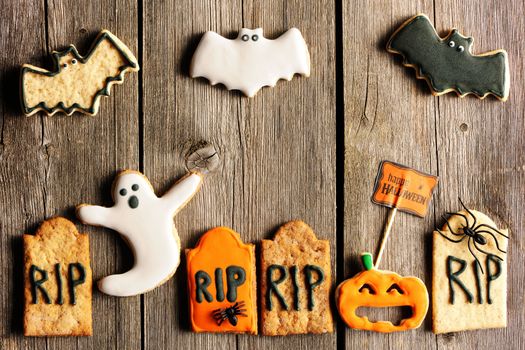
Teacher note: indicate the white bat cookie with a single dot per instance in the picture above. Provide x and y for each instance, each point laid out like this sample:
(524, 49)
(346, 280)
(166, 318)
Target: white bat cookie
(146, 223)
(250, 61)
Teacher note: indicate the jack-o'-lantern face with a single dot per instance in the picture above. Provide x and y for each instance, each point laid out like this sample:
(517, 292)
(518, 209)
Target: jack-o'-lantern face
(376, 288)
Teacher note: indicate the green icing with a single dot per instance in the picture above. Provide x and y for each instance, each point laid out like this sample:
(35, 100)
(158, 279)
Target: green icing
(443, 63)
(72, 282)
(453, 277)
(56, 57)
(366, 260)
(295, 285)
(202, 281)
(271, 286)
(235, 277)
(477, 272)
(310, 284)
(58, 275)
(219, 285)
(36, 285)
(491, 276)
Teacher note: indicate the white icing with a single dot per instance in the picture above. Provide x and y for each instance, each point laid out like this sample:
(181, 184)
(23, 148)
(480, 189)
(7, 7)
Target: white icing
(249, 65)
(148, 229)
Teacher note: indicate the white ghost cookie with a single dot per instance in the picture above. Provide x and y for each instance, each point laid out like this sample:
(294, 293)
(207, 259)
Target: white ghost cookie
(145, 221)
(250, 61)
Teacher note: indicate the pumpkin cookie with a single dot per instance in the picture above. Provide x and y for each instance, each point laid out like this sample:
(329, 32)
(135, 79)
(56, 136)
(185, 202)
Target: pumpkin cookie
(378, 288)
(295, 282)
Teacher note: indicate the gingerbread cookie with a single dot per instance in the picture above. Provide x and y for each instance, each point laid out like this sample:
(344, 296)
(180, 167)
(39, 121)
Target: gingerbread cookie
(222, 283)
(295, 282)
(146, 223)
(378, 288)
(57, 281)
(250, 61)
(447, 64)
(76, 83)
(469, 273)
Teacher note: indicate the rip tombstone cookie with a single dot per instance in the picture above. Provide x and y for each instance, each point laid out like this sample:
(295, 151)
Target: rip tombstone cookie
(295, 282)
(222, 283)
(77, 82)
(57, 281)
(469, 273)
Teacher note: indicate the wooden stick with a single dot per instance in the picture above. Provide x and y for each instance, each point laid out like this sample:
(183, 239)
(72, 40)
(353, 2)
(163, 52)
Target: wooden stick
(386, 233)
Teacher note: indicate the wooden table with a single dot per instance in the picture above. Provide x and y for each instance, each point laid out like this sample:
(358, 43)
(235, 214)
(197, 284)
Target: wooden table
(305, 149)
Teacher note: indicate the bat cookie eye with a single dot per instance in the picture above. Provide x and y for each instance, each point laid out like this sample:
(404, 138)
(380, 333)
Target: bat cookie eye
(451, 44)
(245, 37)
(73, 61)
(461, 48)
(123, 192)
(255, 37)
(135, 187)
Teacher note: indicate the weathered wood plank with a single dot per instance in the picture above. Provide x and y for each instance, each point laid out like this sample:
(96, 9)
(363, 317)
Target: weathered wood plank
(22, 163)
(480, 149)
(388, 115)
(277, 149)
(78, 157)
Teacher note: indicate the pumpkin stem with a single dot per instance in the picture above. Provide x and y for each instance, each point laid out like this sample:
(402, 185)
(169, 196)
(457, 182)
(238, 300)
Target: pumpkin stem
(366, 259)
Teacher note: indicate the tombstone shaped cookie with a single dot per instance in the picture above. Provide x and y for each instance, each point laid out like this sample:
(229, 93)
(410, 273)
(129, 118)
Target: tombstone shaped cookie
(57, 280)
(296, 278)
(469, 273)
(222, 283)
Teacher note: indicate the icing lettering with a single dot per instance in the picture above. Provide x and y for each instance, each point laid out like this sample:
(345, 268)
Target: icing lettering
(76, 276)
(310, 284)
(493, 266)
(235, 277)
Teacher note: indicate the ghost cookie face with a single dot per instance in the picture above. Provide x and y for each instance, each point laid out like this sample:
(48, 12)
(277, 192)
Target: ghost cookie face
(145, 221)
(250, 61)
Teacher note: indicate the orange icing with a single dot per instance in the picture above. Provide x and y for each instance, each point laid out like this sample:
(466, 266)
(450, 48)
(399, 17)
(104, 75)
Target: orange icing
(349, 299)
(219, 248)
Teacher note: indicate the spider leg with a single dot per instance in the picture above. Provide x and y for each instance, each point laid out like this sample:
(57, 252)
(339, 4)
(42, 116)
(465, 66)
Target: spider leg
(495, 240)
(459, 214)
(450, 239)
(492, 228)
(487, 253)
(242, 314)
(468, 211)
(450, 228)
(474, 255)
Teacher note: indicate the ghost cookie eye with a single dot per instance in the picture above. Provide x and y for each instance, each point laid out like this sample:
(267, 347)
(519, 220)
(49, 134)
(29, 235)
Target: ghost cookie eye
(135, 187)
(123, 192)
(245, 37)
(255, 37)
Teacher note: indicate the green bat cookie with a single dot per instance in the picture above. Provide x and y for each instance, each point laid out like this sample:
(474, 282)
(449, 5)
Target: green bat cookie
(447, 64)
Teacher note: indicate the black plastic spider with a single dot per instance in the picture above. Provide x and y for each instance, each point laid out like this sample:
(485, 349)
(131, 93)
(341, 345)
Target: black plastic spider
(229, 313)
(474, 234)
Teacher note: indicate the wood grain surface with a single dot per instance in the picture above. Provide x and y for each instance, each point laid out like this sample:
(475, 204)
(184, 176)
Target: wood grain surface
(307, 149)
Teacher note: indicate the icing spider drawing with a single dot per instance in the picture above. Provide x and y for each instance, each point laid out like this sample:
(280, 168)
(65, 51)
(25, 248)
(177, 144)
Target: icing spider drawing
(477, 235)
(229, 313)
